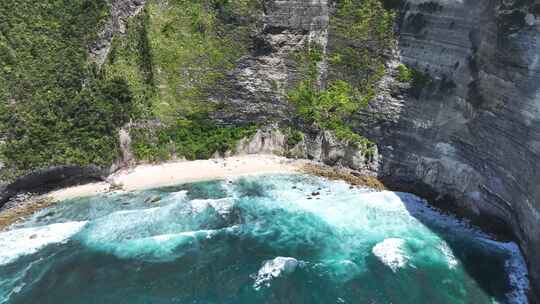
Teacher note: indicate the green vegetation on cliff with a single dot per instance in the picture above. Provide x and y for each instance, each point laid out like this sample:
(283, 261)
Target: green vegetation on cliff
(176, 53)
(59, 107)
(192, 45)
(328, 108)
(404, 73)
(361, 34)
(363, 37)
(54, 107)
(130, 58)
(419, 80)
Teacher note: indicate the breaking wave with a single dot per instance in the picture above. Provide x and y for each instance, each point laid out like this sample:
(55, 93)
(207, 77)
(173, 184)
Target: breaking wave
(266, 239)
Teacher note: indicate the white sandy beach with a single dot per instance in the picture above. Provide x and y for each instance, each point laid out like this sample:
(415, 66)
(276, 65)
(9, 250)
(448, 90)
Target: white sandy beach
(173, 173)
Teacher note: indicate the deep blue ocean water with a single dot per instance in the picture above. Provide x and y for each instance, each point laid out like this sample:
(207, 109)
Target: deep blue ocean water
(259, 239)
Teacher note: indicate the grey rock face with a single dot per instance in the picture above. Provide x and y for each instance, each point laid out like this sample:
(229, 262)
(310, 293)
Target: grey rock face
(271, 141)
(125, 146)
(305, 15)
(471, 142)
(326, 148)
(121, 11)
(323, 147)
(261, 79)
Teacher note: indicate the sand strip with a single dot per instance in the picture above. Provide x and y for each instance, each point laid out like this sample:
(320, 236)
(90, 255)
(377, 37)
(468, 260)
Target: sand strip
(174, 173)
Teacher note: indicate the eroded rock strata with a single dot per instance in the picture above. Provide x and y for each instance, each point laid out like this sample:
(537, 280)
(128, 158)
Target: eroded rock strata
(472, 139)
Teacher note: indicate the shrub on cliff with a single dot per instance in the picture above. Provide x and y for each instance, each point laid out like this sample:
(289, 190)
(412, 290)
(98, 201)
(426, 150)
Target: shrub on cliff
(194, 138)
(55, 108)
(362, 36)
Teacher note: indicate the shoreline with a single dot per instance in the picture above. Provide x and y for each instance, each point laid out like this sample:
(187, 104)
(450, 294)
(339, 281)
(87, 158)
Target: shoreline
(148, 176)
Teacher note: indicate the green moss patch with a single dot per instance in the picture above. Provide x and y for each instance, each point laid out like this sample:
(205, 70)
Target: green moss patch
(420, 80)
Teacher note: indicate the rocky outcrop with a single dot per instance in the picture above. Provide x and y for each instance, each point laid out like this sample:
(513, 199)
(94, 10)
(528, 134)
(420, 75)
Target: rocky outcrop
(258, 85)
(322, 147)
(120, 12)
(266, 141)
(52, 178)
(326, 148)
(127, 158)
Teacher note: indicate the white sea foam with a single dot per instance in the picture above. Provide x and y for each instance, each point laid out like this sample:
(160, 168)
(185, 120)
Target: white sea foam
(138, 212)
(163, 247)
(272, 269)
(366, 215)
(174, 197)
(391, 252)
(16, 243)
(206, 233)
(157, 248)
(449, 255)
(178, 195)
(352, 220)
(222, 206)
(341, 270)
(155, 233)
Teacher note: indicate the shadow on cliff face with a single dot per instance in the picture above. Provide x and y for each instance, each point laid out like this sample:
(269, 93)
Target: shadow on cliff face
(480, 263)
(42, 181)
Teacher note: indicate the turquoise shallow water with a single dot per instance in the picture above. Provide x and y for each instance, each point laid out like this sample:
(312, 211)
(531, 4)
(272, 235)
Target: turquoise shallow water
(261, 239)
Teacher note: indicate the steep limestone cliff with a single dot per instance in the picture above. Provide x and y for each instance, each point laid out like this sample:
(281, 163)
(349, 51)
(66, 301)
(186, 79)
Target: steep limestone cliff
(471, 141)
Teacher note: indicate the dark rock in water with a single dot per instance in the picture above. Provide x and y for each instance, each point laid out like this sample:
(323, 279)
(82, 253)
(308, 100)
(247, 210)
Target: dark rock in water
(48, 214)
(116, 187)
(153, 199)
(315, 193)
